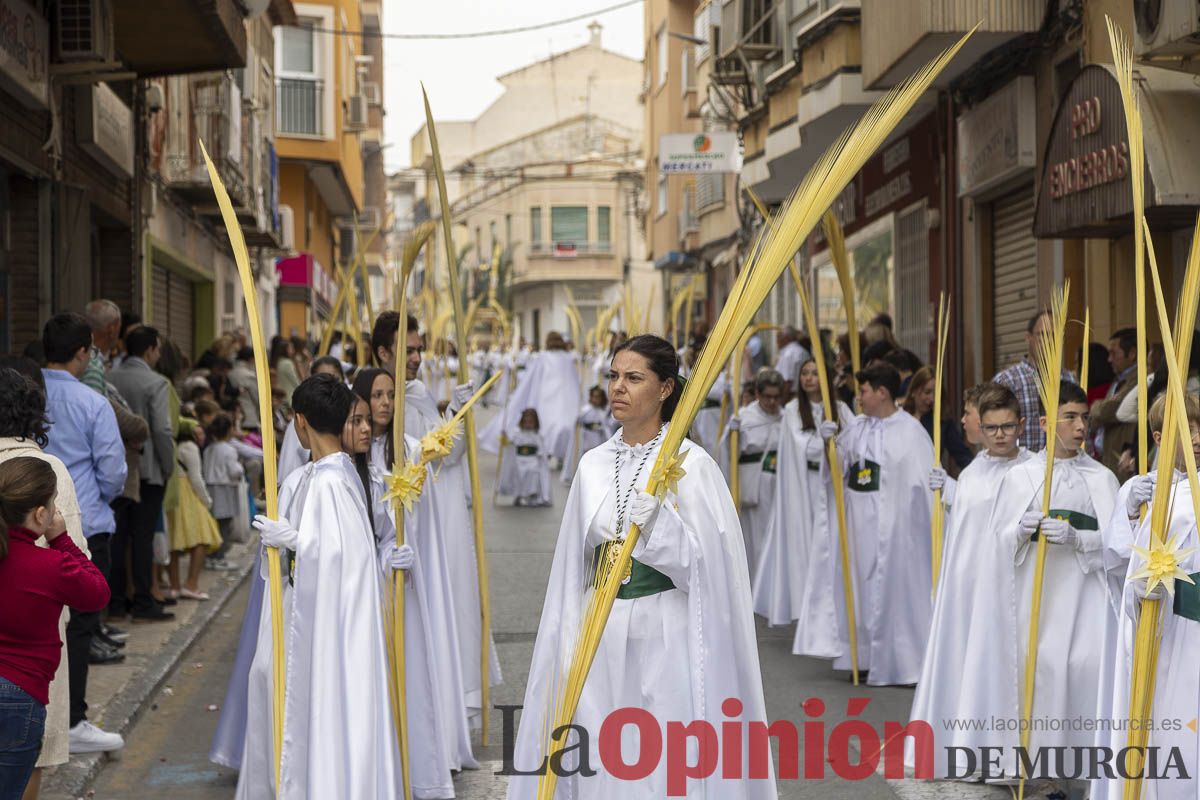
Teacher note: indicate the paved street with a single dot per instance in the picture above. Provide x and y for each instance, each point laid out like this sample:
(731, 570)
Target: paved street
(167, 751)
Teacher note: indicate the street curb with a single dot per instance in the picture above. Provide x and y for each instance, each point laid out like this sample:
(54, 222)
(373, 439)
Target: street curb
(126, 708)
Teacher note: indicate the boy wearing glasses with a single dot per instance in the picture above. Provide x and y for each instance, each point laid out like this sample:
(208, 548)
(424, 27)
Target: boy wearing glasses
(957, 678)
(1074, 600)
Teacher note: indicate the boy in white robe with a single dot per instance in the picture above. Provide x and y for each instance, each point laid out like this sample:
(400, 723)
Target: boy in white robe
(887, 457)
(339, 739)
(1074, 602)
(957, 680)
(1176, 689)
(757, 461)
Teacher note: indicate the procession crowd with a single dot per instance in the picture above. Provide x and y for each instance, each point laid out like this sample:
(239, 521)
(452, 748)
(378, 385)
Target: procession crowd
(806, 516)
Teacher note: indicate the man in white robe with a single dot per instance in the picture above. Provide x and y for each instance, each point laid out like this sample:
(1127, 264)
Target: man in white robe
(958, 679)
(451, 495)
(339, 738)
(757, 461)
(887, 457)
(1074, 603)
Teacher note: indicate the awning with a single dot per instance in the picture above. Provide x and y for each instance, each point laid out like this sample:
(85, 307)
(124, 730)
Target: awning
(674, 259)
(1084, 190)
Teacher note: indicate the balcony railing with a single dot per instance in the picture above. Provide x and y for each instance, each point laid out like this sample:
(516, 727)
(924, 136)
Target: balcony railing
(301, 109)
(569, 249)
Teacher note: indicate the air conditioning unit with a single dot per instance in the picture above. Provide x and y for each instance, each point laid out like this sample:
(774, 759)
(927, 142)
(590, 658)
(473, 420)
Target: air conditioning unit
(287, 228)
(1168, 33)
(83, 31)
(372, 93)
(356, 113)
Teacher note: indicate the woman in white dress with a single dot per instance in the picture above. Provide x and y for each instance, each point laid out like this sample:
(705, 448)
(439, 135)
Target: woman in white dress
(679, 642)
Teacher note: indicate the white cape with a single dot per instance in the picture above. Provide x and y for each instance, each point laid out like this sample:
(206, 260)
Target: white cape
(756, 479)
(336, 676)
(958, 679)
(680, 652)
(891, 552)
(550, 385)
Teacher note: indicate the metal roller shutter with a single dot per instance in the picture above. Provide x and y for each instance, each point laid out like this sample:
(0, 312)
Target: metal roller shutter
(912, 282)
(1014, 275)
(172, 308)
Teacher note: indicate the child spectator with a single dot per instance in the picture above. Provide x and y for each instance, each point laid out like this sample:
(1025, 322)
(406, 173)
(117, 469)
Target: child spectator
(223, 474)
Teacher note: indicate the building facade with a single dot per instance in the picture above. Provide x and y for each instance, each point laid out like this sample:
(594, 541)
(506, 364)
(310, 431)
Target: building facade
(548, 179)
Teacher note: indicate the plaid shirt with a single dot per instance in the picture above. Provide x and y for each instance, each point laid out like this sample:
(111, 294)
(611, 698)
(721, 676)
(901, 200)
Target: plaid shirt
(1022, 379)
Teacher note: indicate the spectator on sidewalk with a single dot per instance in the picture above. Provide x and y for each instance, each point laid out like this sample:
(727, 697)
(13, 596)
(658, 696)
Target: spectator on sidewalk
(35, 584)
(791, 355)
(245, 380)
(223, 475)
(84, 435)
(1113, 434)
(148, 396)
(1023, 380)
(192, 527)
(283, 363)
(23, 429)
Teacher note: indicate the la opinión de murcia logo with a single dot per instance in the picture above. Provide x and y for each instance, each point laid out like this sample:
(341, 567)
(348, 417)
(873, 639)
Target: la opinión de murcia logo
(852, 748)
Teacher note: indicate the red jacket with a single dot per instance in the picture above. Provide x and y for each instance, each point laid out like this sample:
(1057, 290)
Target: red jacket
(35, 584)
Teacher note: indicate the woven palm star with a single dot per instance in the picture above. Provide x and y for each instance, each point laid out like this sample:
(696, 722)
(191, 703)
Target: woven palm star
(1162, 565)
(667, 476)
(439, 441)
(406, 485)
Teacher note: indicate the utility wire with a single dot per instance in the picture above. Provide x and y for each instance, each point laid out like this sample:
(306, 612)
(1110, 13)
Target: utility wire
(475, 34)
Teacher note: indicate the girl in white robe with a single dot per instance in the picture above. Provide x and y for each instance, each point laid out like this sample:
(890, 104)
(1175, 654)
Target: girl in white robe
(758, 424)
(594, 426)
(525, 474)
(680, 638)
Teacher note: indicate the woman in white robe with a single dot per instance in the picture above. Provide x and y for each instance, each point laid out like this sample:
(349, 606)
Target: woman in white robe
(680, 638)
(757, 461)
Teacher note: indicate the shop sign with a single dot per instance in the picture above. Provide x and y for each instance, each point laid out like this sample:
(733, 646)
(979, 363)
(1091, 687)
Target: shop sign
(714, 151)
(1085, 181)
(996, 138)
(104, 128)
(24, 58)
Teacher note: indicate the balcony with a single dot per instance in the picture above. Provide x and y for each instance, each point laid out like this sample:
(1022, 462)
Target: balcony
(901, 36)
(569, 249)
(174, 37)
(205, 109)
(301, 107)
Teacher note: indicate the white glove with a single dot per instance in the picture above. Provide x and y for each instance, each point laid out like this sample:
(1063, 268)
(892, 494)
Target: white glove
(643, 512)
(1059, 531)
(398, 558)
(735, 423)
(1141, 489)
(1030, 521)
(937, 479)
(462, 393)
(276, 532)
(828, 429)
(1159, 592)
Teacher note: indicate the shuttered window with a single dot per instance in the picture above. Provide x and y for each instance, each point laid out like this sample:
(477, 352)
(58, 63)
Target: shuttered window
(912, 281)
(1014, 275)
(172, 308)
(569, 224)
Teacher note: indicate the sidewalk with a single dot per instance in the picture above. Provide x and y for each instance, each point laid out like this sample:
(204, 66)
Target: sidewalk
(118, 694)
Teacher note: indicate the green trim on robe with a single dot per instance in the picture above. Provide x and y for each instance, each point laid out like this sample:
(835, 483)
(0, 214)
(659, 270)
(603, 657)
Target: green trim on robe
(644, 580)
(863, 476)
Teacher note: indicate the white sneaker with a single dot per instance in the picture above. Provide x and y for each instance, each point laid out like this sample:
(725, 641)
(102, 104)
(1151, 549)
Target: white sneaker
(87, 738)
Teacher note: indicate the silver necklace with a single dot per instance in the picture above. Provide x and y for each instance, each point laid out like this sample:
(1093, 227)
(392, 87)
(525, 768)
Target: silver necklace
(611, 549)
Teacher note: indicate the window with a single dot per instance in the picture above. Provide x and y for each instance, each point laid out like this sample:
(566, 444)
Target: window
(568, 224)
(603, 230)
(300, 105)
(535, 225)
(660, 204)
(661, 60)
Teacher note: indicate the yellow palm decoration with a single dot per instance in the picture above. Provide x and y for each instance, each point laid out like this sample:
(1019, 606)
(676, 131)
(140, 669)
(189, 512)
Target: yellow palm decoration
(938, 522)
